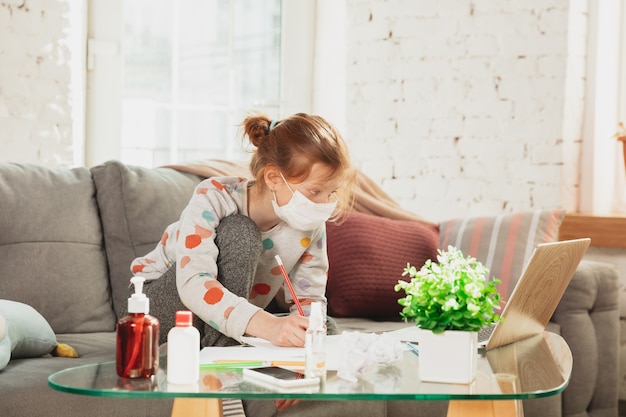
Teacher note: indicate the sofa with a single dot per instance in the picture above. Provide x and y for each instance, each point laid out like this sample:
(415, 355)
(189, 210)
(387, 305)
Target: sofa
(67, 237)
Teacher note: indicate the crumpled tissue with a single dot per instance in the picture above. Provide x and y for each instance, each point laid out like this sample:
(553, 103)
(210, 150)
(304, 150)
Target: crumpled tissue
(360, 351)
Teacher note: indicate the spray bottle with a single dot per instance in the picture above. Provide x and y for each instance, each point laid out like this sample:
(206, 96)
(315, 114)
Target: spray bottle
(315, 343)
(137, 354)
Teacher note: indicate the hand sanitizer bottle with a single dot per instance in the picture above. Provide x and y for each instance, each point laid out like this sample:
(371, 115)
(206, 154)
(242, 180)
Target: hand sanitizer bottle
(183, 351)
(315, 344)
(137, 354)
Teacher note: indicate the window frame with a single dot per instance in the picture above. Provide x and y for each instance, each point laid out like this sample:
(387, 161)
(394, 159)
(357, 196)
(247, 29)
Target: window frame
(104, 72)
(604, 105)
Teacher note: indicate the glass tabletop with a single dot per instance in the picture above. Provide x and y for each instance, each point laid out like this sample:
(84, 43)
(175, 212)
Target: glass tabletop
(539, 366)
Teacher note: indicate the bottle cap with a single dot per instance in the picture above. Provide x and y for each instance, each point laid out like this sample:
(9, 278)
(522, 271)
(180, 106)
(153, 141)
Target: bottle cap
(138, 302)
(184, 318)
(316, 317)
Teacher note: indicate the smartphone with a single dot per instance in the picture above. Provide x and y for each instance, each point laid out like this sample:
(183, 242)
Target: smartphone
(277, 377)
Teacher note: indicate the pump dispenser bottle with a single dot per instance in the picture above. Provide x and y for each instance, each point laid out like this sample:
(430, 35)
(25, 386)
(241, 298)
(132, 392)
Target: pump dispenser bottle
(315, 343)
(183, 350)
(137, 354)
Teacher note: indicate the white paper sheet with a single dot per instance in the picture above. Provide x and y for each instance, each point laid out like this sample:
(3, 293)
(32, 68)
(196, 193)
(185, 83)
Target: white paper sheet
(263, 351)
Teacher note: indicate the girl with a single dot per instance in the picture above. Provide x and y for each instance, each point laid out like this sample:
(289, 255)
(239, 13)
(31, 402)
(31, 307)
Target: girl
(219, 258)
(219, 261)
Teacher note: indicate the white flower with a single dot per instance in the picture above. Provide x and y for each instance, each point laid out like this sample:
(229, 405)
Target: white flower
(451, 304)
(474, 308)
(472, 289)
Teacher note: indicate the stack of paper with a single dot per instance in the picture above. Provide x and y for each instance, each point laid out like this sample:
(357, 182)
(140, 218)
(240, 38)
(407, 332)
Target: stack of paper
(260, 352)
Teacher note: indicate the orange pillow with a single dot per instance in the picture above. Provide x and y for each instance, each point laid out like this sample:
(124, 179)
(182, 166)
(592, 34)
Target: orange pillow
(367, 255)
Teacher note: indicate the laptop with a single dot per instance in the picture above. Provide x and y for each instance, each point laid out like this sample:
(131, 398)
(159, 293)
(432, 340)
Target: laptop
(537, 293)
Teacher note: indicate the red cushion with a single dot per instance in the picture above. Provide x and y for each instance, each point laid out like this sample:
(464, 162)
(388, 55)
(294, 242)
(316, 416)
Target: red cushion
(367, 255)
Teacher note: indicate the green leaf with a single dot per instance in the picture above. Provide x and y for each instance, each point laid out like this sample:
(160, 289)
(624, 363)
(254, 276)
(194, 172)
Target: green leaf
(450, 293)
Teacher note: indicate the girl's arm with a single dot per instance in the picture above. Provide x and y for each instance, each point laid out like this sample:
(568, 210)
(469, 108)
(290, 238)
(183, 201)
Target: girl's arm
(196, 259)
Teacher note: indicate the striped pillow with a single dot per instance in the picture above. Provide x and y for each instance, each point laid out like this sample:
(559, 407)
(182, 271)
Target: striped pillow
(502, 243)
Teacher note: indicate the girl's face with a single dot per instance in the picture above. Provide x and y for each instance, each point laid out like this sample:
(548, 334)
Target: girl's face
(320, 186)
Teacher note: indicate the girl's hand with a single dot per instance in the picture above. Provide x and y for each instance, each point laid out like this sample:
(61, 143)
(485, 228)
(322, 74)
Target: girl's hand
(290, 331)
(286, 331)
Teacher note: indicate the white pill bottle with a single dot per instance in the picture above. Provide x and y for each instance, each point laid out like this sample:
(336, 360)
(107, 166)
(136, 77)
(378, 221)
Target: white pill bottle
(183, 350)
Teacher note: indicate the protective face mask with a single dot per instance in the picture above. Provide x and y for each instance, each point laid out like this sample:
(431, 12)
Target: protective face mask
(300, 213)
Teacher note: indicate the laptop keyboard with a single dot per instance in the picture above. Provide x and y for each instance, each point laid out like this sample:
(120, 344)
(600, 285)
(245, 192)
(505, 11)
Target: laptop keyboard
(485, 333)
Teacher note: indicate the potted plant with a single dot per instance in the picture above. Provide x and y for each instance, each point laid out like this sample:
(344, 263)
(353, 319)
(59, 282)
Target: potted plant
(450, 301)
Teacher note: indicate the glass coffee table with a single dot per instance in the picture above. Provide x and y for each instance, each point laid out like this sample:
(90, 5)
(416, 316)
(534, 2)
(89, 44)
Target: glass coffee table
(536, 367)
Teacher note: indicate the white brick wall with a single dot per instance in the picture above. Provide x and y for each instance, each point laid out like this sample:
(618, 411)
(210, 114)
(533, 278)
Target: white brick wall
(35, 104)
(464, 107)
(455, 107)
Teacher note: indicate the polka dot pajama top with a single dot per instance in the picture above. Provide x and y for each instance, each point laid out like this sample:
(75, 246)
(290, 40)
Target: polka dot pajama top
(190, 244)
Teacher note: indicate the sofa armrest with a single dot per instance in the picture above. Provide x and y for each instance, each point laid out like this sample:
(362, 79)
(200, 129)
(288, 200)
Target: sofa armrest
(588, 317)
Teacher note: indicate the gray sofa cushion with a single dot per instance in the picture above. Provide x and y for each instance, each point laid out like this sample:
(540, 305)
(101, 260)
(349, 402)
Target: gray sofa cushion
(24, 390)
(589, 318)
(51, 253)
(136, 205)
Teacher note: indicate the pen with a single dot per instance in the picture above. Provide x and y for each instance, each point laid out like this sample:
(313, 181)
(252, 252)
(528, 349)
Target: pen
(235, 363)
(413, 348)
(287, 363)
(291, 290)
(231, 364)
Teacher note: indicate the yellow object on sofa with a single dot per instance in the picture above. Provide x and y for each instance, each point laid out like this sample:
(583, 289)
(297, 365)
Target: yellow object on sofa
(24, 333)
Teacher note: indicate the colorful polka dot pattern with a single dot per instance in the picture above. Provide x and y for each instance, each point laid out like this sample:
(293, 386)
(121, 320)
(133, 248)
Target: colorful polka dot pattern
(210, 196)
(214, 290)
(268, 244)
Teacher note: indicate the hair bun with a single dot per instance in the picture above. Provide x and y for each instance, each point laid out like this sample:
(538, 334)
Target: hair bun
(257, 127)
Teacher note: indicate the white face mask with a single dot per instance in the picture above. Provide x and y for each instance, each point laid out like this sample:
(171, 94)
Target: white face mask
(300, 213)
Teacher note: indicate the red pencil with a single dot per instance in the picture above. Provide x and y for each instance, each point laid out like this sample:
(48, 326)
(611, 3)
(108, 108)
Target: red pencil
(291, 290)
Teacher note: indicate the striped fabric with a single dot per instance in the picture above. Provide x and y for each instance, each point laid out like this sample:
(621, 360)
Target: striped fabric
(232, 407)
(502, 243)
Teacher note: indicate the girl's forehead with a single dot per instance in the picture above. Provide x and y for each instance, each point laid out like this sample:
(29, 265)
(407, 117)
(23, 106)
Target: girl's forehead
(322, 173)
(323, 180)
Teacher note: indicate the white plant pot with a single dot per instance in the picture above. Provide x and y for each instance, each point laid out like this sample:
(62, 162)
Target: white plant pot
(450, 356)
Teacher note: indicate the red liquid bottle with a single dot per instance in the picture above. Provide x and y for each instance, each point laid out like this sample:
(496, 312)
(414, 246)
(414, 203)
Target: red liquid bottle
(137, 354)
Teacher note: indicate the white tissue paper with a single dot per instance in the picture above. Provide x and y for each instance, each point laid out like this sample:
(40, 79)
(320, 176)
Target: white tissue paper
(361, 351)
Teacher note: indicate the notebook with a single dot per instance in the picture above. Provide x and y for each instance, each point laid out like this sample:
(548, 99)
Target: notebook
(537, 293)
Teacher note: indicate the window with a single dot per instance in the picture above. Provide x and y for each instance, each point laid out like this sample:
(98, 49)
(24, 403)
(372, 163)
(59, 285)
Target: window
(602, 182)
(191, 71)
(170, 80)
(619, 203)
